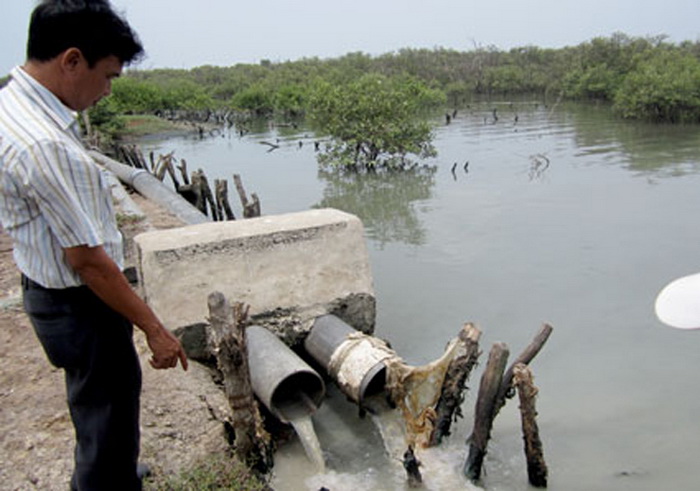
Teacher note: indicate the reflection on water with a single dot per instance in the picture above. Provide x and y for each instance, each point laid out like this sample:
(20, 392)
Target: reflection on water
(385, 201)
(641, 147)
(585, 246)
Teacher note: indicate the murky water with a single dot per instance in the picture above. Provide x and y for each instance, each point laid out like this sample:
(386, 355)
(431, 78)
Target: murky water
(566, 216)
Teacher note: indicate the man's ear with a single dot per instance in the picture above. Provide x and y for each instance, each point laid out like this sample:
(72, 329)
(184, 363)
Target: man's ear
(71, 59)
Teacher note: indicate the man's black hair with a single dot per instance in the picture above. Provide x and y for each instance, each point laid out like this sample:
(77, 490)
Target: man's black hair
(92, 26)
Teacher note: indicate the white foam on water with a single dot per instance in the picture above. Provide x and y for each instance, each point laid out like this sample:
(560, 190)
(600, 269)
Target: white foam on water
(392, 430)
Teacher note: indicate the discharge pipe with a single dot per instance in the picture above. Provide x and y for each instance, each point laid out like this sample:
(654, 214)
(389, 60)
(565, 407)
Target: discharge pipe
(151, 188)
(356, 361)
(287, 385)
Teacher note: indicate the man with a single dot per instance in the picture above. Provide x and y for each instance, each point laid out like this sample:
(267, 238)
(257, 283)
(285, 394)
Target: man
(56, 205)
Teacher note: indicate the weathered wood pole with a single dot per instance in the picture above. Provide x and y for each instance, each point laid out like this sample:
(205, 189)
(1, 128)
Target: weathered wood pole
(527, 392)
(171, 171)
(250, 209)
(208, 196)
(221, 189)
(252, 442)
(454, 385)
(198, 190)
(183, 171)
(485, 410)
(530, 351)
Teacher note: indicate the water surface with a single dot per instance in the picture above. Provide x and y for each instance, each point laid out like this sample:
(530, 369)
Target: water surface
(566, 216)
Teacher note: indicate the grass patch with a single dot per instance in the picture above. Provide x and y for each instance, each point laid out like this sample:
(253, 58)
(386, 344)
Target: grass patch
(124, 219)
(217, 472)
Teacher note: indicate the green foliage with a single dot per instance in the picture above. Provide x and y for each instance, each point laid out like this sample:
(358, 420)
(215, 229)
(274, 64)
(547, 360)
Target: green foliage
(256, 99)
(663, 88)
(373, 116)
(133, 96)
(106, 117)
(597, 69)
(291, 100)
(186, 95)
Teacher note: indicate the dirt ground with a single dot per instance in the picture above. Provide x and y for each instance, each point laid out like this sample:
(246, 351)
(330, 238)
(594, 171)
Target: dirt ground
(181, 412)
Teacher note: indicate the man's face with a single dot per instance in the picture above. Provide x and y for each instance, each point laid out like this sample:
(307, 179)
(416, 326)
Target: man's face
(89, 85)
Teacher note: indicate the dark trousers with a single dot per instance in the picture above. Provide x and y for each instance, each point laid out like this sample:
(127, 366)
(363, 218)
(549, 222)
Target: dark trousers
(94, 346)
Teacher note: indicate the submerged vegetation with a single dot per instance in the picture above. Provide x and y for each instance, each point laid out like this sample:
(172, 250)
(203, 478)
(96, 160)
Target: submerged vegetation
(370, 105)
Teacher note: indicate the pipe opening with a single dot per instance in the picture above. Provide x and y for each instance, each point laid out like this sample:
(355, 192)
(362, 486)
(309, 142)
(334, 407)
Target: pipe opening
(374, 382)
(356, 361)
(282, 381)
(297, 395)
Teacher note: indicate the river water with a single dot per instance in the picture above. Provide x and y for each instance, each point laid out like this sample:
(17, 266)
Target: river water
(564, 215)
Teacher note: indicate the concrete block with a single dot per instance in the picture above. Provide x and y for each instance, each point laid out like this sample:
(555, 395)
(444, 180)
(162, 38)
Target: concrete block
(288, 268)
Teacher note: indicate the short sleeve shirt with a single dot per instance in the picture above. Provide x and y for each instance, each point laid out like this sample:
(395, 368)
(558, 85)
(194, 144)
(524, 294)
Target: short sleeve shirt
(52, 194)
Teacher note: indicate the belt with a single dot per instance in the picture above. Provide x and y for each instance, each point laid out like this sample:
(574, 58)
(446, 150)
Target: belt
(29, 284)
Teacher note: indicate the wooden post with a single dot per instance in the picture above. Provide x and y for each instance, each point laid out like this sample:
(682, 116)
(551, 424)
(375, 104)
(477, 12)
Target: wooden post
(183, 171)
(485, 410)
(506, 390)
(536, 466)
(250, 210)
(452, 393)
(200, 200)
(171, 171)
(228, 329)
(208, 196)
(221, 187)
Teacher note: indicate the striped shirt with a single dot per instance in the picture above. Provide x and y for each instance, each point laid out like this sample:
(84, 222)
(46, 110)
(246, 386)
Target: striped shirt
(52, 194)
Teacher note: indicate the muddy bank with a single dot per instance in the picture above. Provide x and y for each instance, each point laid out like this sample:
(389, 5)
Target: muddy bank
(182, 413)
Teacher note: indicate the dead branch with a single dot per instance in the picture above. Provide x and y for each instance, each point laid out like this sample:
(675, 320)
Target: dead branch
(271, 145)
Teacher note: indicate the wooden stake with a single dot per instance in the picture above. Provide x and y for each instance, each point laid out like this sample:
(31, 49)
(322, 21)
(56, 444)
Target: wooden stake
(452, 393)
(485, 410)
(536, 466)
(183, 171)
(250, 210)
(221, 189)
(200, 200)
(171, 171)
(228, 331)
(208, 196)
(506, 390)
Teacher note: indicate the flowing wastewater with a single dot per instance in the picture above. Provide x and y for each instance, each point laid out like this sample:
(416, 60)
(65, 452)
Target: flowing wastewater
(563, 215)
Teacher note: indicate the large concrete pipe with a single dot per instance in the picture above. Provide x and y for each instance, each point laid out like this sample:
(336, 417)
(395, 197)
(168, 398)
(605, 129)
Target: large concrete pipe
(355, 360)
(150, 187)
(288, 387)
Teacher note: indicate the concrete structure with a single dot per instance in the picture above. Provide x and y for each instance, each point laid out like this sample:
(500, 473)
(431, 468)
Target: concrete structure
(289, 268)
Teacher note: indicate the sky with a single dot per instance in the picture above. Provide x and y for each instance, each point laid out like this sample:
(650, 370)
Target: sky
(186, 34)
